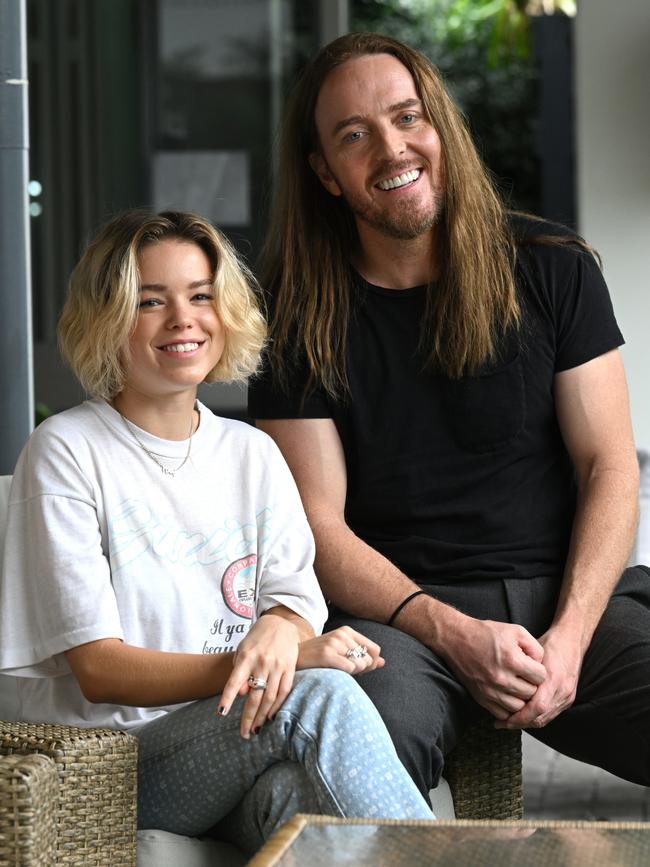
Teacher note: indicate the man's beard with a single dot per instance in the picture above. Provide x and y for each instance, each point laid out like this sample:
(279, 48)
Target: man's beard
(403, 222)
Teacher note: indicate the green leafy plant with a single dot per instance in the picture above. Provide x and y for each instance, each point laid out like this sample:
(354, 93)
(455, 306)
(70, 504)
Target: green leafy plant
(41, 412)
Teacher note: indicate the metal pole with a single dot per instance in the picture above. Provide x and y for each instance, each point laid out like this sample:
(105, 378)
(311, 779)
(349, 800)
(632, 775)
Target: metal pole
(16, 366)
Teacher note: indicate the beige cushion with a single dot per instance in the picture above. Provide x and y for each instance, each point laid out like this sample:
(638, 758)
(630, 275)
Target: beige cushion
(162, 849)
(442, 803)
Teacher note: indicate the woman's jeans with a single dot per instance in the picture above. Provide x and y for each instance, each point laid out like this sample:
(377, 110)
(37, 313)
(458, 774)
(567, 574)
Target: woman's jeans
(327, 751)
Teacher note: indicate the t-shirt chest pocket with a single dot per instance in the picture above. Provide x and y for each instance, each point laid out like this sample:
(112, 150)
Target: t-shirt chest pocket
(487, 411)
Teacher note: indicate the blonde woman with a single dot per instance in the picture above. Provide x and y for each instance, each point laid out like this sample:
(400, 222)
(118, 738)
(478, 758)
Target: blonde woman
(148, 539)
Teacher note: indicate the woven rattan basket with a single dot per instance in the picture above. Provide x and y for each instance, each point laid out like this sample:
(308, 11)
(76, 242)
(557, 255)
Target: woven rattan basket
(95, 810)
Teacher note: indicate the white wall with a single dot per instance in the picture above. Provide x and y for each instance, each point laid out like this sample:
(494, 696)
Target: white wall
(612, 98)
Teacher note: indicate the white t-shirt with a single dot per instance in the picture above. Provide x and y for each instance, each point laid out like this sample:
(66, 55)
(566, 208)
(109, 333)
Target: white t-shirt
(100, 543)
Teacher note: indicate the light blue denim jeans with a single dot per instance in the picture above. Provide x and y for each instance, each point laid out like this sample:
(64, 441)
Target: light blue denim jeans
(327, 751)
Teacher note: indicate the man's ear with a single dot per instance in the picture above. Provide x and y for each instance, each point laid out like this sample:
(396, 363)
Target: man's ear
(318, 164)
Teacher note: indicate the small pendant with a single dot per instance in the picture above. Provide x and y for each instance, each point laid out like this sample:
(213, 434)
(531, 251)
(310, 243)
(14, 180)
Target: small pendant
(167, 472)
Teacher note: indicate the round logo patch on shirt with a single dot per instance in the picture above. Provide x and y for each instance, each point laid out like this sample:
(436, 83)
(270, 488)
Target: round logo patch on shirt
(238, 586)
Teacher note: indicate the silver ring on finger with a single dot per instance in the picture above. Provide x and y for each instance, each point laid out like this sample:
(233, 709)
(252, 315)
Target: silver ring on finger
(256, 682)
(357, 652)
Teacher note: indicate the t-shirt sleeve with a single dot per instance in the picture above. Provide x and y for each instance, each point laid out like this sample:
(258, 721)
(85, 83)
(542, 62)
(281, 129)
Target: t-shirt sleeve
(586, 326)
(268, 398)
(286, 573)
(55, 590)
(571, 289)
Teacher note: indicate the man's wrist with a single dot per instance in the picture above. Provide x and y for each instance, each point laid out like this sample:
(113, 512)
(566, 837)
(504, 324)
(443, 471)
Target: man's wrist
(448, 624)
(432, 622)
(575, 621)
(571, 631)
(393, 617)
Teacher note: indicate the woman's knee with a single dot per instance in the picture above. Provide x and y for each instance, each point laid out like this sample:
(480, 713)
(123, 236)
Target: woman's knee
(326, 683)
(328, 694)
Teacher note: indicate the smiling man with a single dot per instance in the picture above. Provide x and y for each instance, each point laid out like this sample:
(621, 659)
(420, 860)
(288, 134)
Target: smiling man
(445, 382)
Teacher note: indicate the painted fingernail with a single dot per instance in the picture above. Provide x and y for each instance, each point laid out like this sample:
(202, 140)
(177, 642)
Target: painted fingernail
(222, 711)
(247, 736)
(256, 731)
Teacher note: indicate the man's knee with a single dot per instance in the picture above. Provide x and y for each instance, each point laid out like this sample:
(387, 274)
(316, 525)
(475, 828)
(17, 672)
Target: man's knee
(609, 724)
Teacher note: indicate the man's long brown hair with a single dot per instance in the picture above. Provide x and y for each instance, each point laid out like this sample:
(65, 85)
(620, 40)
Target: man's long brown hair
(312, 233)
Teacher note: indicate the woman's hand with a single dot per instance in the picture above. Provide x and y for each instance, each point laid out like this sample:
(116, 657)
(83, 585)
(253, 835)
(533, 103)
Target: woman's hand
(269, 652)
(330, 651)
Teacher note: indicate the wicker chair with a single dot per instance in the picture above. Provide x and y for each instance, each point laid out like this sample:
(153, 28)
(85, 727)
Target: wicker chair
(28, 791)
(484, 773)
(92, 805)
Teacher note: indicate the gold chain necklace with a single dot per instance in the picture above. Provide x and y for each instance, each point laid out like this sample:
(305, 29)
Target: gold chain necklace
(164, 469)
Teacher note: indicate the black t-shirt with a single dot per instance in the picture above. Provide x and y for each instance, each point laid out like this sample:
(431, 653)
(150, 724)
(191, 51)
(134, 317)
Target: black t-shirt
(461, 479)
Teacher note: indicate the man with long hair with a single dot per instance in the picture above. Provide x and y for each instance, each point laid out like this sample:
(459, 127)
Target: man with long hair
(444, 380)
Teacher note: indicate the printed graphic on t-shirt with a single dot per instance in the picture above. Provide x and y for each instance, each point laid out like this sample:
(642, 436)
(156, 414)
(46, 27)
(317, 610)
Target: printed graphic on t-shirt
(224, 636)
(136, 530)
(223, 560)
(238, 586)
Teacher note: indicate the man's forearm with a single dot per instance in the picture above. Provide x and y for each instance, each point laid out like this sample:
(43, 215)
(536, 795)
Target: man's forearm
(499, 663)
(356, 577)
(594, 419)
(601, 540)
(602, 534)
(364, 583)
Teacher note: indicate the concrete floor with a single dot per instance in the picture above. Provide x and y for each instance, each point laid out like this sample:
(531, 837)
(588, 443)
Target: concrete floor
(556, 787)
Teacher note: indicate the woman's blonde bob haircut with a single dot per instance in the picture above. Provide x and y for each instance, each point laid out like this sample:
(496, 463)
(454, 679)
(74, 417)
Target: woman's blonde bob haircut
(101, 309)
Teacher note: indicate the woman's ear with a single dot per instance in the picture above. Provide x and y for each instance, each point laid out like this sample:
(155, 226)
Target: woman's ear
(320, 167)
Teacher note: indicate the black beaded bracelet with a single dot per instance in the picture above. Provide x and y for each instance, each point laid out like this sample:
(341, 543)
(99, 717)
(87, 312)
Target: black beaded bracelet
(390, 620)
